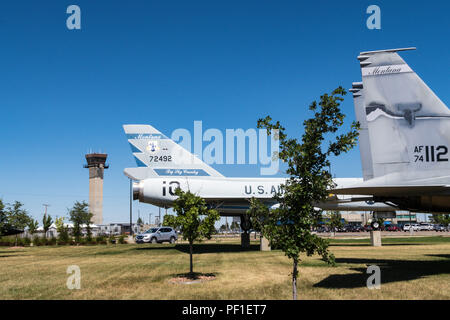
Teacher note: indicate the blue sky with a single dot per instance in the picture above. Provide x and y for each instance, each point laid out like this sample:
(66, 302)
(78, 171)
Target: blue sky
(168, 63)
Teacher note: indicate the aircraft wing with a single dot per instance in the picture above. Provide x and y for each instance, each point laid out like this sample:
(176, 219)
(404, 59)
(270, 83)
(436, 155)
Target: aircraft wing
(393, 190)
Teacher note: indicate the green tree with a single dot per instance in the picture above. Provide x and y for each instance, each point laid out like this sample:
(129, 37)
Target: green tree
(79, 215)
(289, 226)
(63, 231)
(46, 223)
(140, 223)
(4, 226)
(17, 216)
(334, 221)
(32, 226)
(193, 218)
(441, 219)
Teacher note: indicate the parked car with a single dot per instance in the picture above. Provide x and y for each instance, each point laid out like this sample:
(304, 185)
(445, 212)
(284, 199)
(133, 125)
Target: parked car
(439, 228)
(426, 227)
(157, 235)
(353, 228)
(322, 229)
(408, 227)
(393, 227)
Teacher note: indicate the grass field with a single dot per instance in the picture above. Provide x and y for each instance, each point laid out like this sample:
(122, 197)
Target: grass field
(411, 268)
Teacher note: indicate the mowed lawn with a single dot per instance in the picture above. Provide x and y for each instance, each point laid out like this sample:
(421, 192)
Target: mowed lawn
(410, 269)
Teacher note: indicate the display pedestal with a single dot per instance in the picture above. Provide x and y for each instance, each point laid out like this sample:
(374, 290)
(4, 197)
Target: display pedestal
(375, 238)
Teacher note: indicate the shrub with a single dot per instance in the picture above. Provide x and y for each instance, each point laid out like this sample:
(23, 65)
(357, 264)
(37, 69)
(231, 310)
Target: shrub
(63, 235)
(82, 241)
(37, 241)
(26, 241)
(122, 239)
(100, 240)
(19, 242)
(112, 239)
(44, 241)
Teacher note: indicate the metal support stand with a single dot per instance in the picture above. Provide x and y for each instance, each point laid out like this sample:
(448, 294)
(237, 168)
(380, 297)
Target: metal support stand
(245, 235)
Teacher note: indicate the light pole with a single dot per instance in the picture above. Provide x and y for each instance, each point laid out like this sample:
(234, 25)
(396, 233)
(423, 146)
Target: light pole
(410, 224)
(45, 216)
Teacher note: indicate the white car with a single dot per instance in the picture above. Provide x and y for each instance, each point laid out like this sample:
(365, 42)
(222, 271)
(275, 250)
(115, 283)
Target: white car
(408, 227)
(157, 235)
(426, 227)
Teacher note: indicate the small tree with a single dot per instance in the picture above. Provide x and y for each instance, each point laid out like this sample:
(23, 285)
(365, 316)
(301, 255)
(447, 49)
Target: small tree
(289, 226)
(46, 223)
(194, 219)
(4, 226)
(140, 223)
(63, 231)
(32, 226)
(334, 221)
(79, 215)
(17, 217)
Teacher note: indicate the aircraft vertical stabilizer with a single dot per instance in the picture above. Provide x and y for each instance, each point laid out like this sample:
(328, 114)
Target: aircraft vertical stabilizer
(408, 125)
(157, 155)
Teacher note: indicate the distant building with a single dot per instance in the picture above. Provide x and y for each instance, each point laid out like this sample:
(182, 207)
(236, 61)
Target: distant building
(96, 229)
(363, 218)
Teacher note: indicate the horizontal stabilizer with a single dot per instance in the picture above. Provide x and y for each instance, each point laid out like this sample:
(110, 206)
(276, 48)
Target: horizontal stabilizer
(393, 190)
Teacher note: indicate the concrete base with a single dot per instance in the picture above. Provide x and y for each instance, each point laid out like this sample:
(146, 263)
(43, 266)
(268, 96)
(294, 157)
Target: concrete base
(245, 240)
(375, 238)
(264, 244)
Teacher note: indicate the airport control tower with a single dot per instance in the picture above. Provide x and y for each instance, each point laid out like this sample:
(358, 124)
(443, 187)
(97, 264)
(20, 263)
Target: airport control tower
(96, 164)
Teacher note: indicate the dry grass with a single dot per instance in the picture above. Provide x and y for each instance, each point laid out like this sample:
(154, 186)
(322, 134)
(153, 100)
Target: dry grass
(409, 271)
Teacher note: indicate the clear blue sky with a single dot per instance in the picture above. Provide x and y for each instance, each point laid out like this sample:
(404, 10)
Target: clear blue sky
(168, 63)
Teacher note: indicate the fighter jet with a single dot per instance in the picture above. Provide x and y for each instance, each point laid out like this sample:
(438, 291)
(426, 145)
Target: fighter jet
(404, 138)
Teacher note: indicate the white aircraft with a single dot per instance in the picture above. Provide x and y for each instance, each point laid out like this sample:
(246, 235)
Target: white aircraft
(164, 165)
(404, 156)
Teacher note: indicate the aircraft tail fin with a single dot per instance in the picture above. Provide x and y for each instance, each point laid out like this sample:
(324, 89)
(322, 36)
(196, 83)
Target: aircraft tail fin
(157, 155)
(408, 125)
